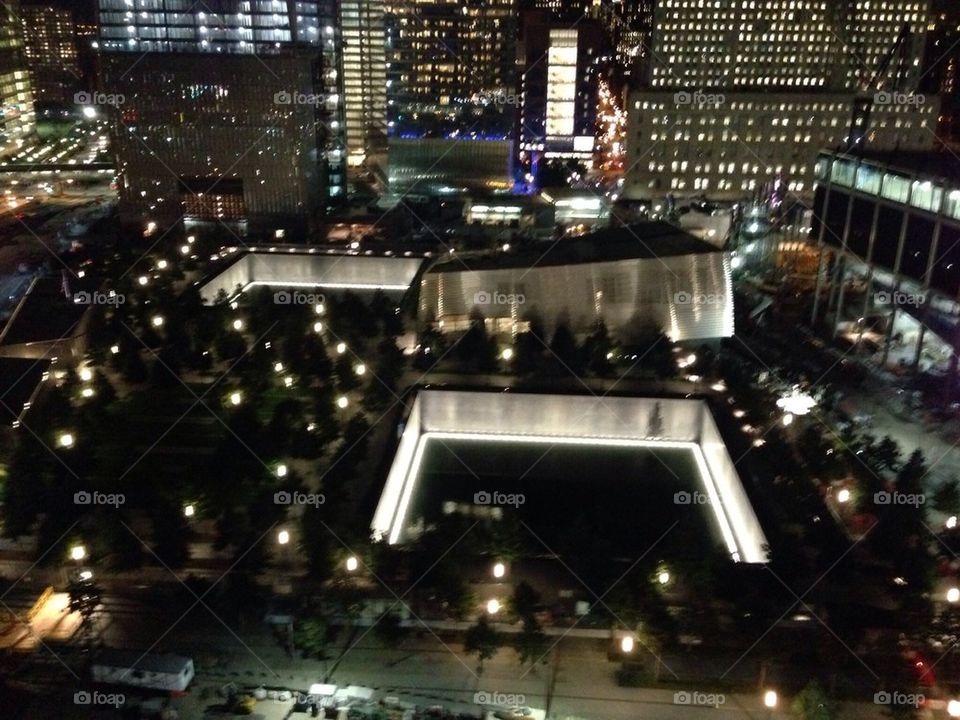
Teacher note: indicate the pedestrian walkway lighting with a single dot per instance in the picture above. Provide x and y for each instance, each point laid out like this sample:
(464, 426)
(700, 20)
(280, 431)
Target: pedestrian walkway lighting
(770, 699)
(283, 537)
(627, 644)
(352, 564)
(953, 595)
(78, 552)
(493, 606)
(499, 570)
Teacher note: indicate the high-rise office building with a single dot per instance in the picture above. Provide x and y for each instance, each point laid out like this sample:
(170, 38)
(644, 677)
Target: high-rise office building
(18, 120)
(364, 72)
(561, 66)
(451, 66)
(741, 94)
(256, 139)
(50, 46)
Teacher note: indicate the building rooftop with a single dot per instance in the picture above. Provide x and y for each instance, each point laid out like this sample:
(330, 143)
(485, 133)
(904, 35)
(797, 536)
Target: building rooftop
(930, 165)
(630, 242)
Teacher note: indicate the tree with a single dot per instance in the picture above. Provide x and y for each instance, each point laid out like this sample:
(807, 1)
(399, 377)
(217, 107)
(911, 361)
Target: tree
(525, 601)
(812, 703)
(886, 454)
(531, 643)
(310, 637)
(564, 350)
(390, 629)
(946, 498)
(481, 640)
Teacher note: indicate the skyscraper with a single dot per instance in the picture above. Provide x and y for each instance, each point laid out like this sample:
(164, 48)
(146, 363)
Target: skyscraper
(364, 71)
(18, 120)
(740, 95)
(254, 139)
(452, 66)
(50, 46)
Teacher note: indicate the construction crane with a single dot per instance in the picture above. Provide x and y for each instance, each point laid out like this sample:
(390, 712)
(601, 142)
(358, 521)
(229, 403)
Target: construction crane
(863, 103)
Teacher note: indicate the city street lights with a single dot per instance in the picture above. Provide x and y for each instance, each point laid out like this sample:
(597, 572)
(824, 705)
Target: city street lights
(283, 537)
(352, 564)
(499, 570)
(189, 511)
(507, 354)
(65, 440)
(235, 398)
(493, 606)
(78, 553)
(342, 402)
(627, 644)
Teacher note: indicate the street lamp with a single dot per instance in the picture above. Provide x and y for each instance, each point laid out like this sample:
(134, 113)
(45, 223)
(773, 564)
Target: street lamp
(770, 699)
(318, 327)
(157, 321)
(281, 470)
(493, 606)
(189, 511)
(238, 324)
(278, 367)
(65, 440)
(359, 368)
(843, 496)
(953, 708)
(341, 348)
(507, 354)
(86, 374)
(953, 595)
(627, 644)
(283, 537)
(499, 570)
(236, 398)
(664, 577)
(951, 522)
(352, 564)
(78, 553)
(342, 402)
(787, 420)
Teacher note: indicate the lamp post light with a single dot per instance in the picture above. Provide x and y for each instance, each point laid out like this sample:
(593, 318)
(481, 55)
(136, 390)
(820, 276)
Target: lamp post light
(770, 701)
(342, 402)
(953, 595)
(283, 537)
(66, 440)
(189, 510)
(352, 564)
(953, 708)
(627, 644)
(507, 354)
(236, 398)
(493, 606)
(78, 553)
(499, 570)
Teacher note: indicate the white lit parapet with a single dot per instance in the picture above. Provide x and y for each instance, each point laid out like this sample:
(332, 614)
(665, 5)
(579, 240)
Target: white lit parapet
(573, 420)
(312, 271)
